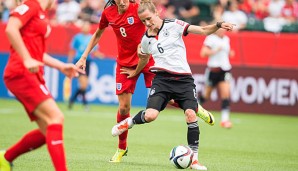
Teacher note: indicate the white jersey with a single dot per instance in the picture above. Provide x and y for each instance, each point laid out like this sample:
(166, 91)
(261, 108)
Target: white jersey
(221, 58)
(168, 48)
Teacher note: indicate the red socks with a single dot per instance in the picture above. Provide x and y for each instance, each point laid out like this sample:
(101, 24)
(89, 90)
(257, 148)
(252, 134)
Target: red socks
(30, 141)
(54, 140)
(123, 137)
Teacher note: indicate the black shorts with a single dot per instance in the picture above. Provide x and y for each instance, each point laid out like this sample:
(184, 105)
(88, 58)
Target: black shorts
(167, 86)
(213, 77)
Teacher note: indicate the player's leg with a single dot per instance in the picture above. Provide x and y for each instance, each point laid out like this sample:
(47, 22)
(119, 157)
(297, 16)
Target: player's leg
(30, 95)
(154, 105)
(122, 113)
(156, 102)
(30, 141)
(193, 133)
(124, 89)
(50, 120)
(224, 91)
(185, 89)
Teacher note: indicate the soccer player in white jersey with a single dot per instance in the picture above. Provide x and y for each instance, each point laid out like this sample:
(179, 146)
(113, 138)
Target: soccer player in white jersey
(173, 80)
(217, 48)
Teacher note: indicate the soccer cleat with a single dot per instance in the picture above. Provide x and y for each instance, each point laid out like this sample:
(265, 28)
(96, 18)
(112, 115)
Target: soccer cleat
(4, 164)
(121, 127)
(226, 124)
(197, 166)
(118, 155)
(205, 115)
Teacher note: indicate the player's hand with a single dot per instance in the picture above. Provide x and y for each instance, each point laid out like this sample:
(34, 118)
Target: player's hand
(81, 64)
(32, 65)
(228, 26)
(128, 71)
(71, 70)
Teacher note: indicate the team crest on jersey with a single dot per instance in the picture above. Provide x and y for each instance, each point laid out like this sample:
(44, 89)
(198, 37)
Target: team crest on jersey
(119, 86)
(130, 20)
(166, 33)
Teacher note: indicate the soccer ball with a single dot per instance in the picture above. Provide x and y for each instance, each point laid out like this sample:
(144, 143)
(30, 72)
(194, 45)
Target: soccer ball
(181, 156)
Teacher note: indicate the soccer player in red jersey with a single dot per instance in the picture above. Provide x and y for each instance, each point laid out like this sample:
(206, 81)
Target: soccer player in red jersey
(27, 29)
(122, 16)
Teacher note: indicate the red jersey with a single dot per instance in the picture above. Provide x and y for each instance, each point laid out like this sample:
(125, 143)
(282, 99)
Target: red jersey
(34, 30)
(128, 29)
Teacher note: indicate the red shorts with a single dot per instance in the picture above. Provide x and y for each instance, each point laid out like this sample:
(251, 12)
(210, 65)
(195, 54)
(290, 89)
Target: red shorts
(29, 90)
(128, 85)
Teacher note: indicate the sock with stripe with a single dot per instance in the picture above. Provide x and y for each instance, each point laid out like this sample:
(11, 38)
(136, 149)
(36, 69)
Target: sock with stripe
(193, 133)
(54, 140)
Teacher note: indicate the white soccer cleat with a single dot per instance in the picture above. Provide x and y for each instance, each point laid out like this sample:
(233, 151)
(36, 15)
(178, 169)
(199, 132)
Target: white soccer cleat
(122, 126)
(195, 165)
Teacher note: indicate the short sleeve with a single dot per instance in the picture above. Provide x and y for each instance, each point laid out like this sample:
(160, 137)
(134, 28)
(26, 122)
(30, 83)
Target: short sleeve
(181, 26)
(145, 45)
(25, 11)
(103, 23)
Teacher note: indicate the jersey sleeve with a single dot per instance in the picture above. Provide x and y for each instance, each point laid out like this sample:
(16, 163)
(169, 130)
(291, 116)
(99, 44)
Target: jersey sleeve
(181, 26)
(103, 23)
(25, 11)
(145, 45)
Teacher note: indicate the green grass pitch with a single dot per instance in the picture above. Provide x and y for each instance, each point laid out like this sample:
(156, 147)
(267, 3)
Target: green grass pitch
(255, 143)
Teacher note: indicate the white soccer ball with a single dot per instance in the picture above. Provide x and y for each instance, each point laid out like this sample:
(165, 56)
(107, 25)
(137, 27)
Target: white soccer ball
(181, 156)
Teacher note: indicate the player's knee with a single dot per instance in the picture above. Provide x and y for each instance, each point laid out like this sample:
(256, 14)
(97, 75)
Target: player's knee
(56, 118)
(151, 115)
(225, 104)
(124, 109)
(190, 115)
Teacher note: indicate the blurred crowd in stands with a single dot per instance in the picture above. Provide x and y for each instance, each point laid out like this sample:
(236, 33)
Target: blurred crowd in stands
(259, 15)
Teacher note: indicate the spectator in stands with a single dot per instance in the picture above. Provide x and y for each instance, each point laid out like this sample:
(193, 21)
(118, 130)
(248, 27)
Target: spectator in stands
(275, 22)
(68, 12)
(260, 9)
(77, 47)
(234, 15)
(217, 48)
(290, 11)
(218, 11)
(184, 9)
(246, 6)
(91, 10)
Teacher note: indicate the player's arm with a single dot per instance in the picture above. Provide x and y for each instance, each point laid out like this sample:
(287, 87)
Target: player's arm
(92, 43)
(14, 36)
(209, 29)
(69, 69)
